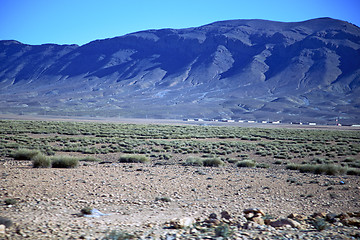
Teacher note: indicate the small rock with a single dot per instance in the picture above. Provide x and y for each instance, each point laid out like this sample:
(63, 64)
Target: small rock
(2, 229)
(343, 216)
(254, 211)
(354, 214)
(284, 222)
(251, 213)
(213, 216)
(297, 217)
(331, 217)
(258, 220)
(6, 222)
(225, 214)
(351, 222)
(182, 223)
(250, 225)
(319, 215)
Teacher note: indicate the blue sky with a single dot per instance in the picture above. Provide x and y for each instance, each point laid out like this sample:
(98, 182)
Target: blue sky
(81, 21)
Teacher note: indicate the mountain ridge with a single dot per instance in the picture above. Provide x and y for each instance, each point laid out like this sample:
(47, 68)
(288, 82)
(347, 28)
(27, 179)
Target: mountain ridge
(240, 69)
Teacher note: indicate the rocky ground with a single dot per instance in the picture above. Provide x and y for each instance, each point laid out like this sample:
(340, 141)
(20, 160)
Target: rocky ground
(175, 202)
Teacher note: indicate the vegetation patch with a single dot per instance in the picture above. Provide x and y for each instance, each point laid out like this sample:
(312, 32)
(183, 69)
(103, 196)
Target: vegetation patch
(194, 161)
(328, 169)
(64, 162)
(206, 162)
(132, 158)
(41, 161)
(213, 162)
(246, 163)
(24, 154)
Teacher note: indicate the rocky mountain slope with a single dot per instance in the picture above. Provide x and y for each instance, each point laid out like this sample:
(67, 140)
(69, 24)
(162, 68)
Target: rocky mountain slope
(248, 69)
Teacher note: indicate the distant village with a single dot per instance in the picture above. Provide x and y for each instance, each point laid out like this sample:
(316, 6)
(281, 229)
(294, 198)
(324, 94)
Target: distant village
(260, 122)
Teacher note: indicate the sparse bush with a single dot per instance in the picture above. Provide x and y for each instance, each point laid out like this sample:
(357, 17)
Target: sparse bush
(64, 162)
(41, 161)
(328, 169)
(246, 163)
(262, 165)
(24, 154)
(353, 171)
(232, 160)
(213, 162)
(132, 158)
(194, 161)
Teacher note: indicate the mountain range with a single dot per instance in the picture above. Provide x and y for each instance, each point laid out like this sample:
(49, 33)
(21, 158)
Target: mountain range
(236, 69)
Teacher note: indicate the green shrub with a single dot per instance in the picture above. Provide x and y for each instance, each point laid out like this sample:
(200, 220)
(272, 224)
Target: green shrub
(246, 163)
(232, 160)
(194, 161)
(262, 165)
(213, 162)
(132, 158)
(353, 171)
(64, 162)
(41, 161)
(328, 169)
(24, 154)
(293, 166)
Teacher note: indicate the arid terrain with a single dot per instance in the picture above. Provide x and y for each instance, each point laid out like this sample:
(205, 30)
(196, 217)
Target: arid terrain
(143, 198)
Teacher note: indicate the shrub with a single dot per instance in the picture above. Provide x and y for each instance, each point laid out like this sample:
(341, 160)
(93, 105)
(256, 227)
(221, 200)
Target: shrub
(64, 162)
(194, 161)
(232, 160)
(41, 161)
(132, 158)
(25, 154)
(353, 171)
(262, 165)
(246, 163)
(207, 162)
(213, 162)
(328, 169)
(293, 166)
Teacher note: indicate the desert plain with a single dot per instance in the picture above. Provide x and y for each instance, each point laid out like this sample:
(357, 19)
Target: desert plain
(146, 200)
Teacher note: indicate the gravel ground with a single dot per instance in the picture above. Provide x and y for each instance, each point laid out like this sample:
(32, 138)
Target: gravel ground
(143, 198)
